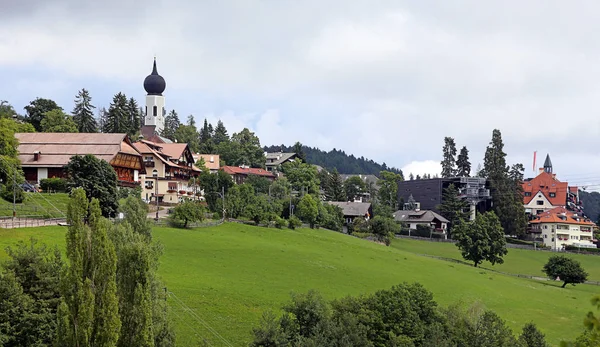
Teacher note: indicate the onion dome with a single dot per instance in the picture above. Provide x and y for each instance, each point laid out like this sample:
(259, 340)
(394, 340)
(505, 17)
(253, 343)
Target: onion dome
(155, 84)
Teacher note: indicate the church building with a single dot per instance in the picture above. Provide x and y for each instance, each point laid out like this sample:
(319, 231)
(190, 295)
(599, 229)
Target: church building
(155, 112)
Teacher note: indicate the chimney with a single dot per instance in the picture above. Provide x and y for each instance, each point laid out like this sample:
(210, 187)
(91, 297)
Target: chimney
(36, 155)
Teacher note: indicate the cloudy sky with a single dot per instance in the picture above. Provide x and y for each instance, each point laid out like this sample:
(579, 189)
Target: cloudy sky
(382, 79)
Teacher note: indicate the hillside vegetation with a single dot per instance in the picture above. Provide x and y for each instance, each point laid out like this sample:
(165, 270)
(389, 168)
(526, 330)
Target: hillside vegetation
(230, 274)
(37, 205)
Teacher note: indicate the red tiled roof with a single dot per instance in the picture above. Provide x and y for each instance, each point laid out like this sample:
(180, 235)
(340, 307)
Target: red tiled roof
(570, 218)
(236, 170)
(546, 183)
(211, 166)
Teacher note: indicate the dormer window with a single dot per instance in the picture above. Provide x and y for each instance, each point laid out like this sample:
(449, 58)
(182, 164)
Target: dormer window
(552, 195)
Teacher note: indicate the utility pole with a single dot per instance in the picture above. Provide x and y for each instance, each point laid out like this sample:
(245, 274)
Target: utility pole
(15, 193)
(223, 198)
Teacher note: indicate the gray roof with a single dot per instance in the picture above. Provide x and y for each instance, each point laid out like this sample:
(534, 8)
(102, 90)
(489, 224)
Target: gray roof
(278, 158)
(358, 209)
(366, 178)
(423, 216)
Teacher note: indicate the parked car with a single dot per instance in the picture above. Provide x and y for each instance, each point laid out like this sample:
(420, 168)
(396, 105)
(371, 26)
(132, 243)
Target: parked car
(28, 187)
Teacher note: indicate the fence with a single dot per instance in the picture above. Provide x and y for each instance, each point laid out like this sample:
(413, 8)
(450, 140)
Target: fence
(9, 223)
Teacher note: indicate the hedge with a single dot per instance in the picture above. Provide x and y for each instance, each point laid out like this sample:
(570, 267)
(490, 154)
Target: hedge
(55, 184)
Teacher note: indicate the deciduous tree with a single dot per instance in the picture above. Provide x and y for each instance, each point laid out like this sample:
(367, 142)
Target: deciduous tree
(56, 121)
(481, 239)
(308, 209)
(566, 269)
(388, 188)
(353, 187)
(186, 212)
(36, 110)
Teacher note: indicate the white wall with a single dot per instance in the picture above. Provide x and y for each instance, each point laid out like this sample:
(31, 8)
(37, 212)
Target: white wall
(159, 120)
(42, 173)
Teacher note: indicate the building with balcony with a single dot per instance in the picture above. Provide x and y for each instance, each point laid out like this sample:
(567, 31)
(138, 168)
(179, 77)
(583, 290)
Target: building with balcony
(45, 155)
(276, 159)
(413, 218)
(211, 161)
(170, 172)
(545, 192)
(559, 227)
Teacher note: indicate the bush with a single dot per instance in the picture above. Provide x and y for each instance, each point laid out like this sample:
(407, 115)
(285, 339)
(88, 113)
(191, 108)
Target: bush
(518, 242)
(362, 235)
(582, 249)
(279, 222)
(55, 184)
(7, 194)
(294, 222)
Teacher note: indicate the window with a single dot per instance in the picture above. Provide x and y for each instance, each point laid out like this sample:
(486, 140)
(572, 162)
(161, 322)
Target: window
(540, 202)
(545, 236)
(545, 227)
(552, 195)
(148, 158)
(154, 111)
(172, 185)
(146, 112)
(149, 184)
(540, 211)
(527, 193)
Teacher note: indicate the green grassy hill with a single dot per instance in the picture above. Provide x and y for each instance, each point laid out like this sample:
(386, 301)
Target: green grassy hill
(37, 205)
(229, 275)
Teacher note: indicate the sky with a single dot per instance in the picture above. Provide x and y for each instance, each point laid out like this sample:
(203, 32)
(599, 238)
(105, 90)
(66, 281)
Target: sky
(387, 80)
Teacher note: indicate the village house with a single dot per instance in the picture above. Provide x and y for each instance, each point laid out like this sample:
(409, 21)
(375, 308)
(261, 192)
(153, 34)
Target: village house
(560, 227)
(169, 170)
(239, 174)
(353, 210)
(277, 159)
(45, 155)
(545, 192)
(413, 218)
(211, 161)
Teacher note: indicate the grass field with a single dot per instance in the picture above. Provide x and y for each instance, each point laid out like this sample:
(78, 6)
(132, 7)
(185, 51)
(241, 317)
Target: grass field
(229, 275)
(37, 205)
(518, 261)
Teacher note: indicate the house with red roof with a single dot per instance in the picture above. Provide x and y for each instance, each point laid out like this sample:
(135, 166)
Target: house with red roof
(560, 227)
(240, 173)
(545, 192)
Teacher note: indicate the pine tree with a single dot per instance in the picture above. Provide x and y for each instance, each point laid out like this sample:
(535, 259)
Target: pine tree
(118, 115)
(220, 134)
(83, 113)
(453, 207)
(171, 125)
(89, 313)
(518, 223)
(102, 120)
(206, 143)
(298, 149)
(411, 177)
(463, 165)
(449, 162)
(336, 187)
(134, 117)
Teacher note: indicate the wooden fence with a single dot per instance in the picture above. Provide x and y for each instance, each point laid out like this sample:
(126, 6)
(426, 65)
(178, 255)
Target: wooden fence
(10, 223)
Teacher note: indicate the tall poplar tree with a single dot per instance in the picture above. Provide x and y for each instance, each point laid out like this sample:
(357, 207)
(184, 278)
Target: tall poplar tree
(83, 113)
(449, 161)
(89, 313)
(118, 115)
(172, 123)
(463, 165)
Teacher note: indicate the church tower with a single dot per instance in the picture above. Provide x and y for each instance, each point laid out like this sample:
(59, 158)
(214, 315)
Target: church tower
(548, 164)
(155, 112)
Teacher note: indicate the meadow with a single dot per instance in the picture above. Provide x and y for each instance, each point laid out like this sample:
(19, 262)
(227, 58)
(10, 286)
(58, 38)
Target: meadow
(223, 278)
(46, 205)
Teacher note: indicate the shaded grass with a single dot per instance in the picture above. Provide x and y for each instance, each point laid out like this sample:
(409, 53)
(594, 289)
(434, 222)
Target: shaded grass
(37, 205)
(518, 261)
(228, 275)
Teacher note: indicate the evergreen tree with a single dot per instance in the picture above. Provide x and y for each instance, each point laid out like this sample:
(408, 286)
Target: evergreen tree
(335, 187)
(135, 118)
(463, 166)
(102, 120)
(449, 161)
(411, 177)
(89, 313)
(206, 138)
(453, 207)
(118, 118)
(220, 134)
(171, 125)
(299, 150)
(83, 113)
(518, 223)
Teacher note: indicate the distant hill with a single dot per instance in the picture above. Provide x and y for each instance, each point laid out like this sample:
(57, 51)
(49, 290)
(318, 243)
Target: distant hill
(344, 163)
(591, 204)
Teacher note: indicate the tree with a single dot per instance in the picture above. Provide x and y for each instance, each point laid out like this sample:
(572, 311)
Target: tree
(384, 228)
(463, 165)
(56, 121)
(388, 191)
(29, 295)
(97, 178)
(566, 269)
(303, 177)
(353, 187)
(298, 149)
(37, 109)
(89, 312)
(308, 210)
(220, 134)
(250, 151)
(171, 125)
(83, 114)
(259, 183)
(118, 118)
(411, 176)
(8, 111)
(518, 223)
(186, 212)
(333, 186)
(453, 207)
(481, 239)
(188, 134)
(103, 120)
(9, 161)
(449, 161)
(134, 119)
(532, 337)
(135, 213)
(206, 142)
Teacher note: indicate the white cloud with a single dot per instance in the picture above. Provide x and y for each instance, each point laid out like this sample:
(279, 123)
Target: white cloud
(385, 80)
(430, 167)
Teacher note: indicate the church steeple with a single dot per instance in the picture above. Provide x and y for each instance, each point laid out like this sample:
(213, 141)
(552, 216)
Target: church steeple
(155, 85)
(548, 164)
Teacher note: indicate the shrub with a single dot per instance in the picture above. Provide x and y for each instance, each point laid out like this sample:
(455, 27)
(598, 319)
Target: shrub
(294, 222)
(55, 184)
(582, 249)
(6, 192)
(279, 222)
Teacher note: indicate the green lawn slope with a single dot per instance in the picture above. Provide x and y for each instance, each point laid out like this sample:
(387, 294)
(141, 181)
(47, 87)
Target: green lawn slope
(224, 277)
(37, 205)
